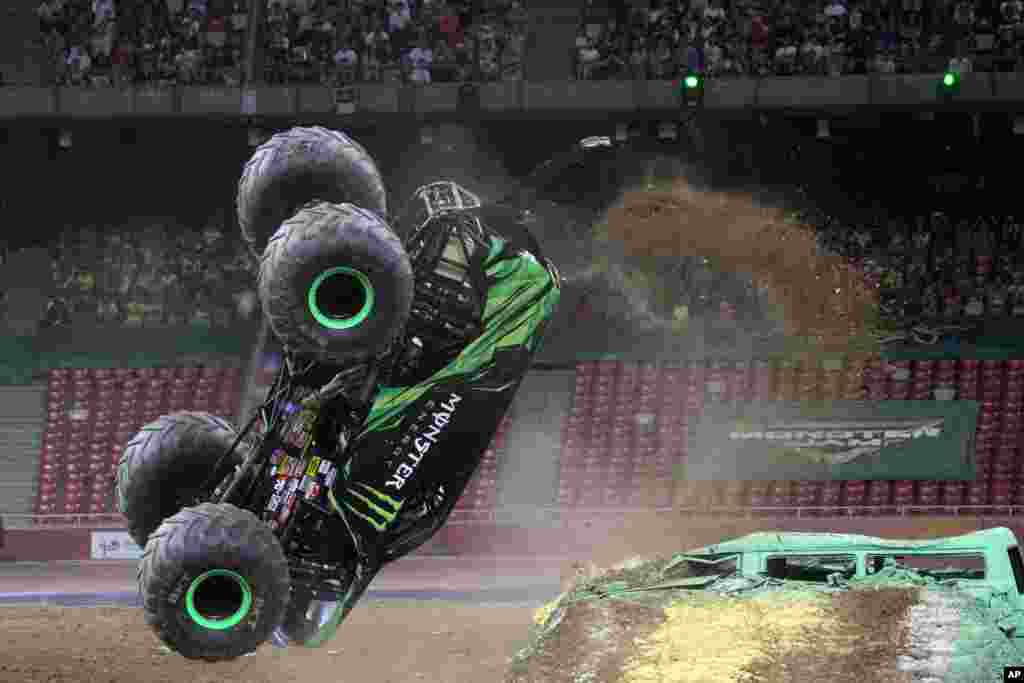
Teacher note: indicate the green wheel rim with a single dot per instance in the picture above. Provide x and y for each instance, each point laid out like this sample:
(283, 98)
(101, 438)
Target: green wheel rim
(227, 622)
(330, 321)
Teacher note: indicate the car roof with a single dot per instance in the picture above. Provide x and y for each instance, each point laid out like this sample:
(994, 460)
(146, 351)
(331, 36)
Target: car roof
(790, 541)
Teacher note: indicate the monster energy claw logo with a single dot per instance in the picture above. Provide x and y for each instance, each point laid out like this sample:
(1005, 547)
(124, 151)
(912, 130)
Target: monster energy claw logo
(842, 444)
(423, 443)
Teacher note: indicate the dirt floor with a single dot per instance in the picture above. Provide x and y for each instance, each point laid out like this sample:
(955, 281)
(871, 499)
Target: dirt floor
(383, 642)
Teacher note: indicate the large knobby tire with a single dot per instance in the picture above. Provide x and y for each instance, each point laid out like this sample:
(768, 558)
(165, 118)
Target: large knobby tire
(299, 166)
(165, 465)
(214, 582)
(336, 283)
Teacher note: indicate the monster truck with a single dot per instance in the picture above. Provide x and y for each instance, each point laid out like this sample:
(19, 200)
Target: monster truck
(403, 347)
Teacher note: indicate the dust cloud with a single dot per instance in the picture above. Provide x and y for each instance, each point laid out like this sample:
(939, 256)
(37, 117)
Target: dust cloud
(452, 152)
(818, 300)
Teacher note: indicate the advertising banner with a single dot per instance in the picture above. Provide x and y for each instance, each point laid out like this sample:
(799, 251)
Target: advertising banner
(834, 440)
(113, 545)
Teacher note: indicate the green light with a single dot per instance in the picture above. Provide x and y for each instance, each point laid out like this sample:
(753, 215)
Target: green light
(949, 80)
(691, 81)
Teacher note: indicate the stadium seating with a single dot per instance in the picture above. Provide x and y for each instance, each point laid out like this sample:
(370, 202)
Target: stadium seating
(91, 415)
(605, 448)
(625, 437)
(481, 492)
(81, 450)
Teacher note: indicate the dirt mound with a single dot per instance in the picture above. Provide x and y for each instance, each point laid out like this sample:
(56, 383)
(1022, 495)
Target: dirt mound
(819, 300)
(644, 622)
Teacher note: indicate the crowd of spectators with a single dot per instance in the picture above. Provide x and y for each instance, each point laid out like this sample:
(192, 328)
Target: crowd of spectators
(107, 43)
(938, 276)
(931, 270)
(154, 276)
(335, 42)
(798, 37)
(937, 269)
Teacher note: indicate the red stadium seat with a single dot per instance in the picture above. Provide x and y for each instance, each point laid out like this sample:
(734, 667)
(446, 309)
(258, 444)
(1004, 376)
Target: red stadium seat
(566, 496)
(977, 493)
(613, 497)
(903, 492)
(880, 495)
(1011, 423)
(965, 365)
(588, 497)
(923, 368)
(1001, 492)
(831, 492)
(47, 498)
(52, 465)
(854, 492)
(928, 493)
(124, 374)
(210, 371)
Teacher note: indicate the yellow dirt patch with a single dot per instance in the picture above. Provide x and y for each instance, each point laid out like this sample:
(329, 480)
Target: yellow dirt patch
(711, 639)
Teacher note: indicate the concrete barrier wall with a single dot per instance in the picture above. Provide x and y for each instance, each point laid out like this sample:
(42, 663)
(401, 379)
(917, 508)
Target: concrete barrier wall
(1008, 87)
(278, 101)
(438, 98)
(96, 103)
(154, 101)
(813, 93)
(378, 98)
(603, 541)
(45, 545)
(734, 93)
(537, 98)
(575, 95)
(53, 545)
(17, 101)
(311, 99)
(207, 100)
(500, 96)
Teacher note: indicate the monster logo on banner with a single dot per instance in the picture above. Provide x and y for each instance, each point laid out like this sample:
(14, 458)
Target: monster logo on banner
(835, 440)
